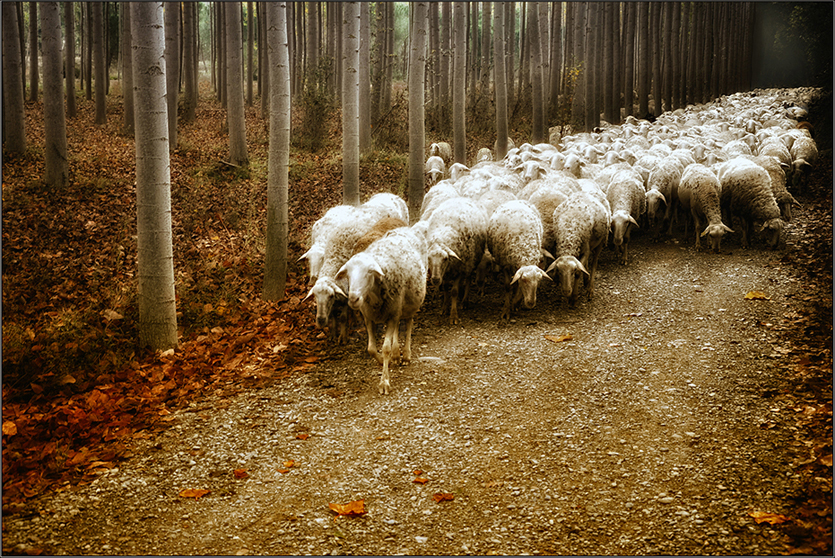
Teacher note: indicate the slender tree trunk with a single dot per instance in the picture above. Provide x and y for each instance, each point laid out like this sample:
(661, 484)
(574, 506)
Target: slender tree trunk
(14, 131)
(544, 60)
(106, 48)
(668, 52)
(250, 51)
(417, 73)
(33, 51)
(89, 34)
(83, 47)
(189, 80)
(499, 80)
(592, 30)
(539, 134)
(55, 126)
(69, 61)
(656, 46)
(486, 46)
(524, 54)
(350, 106)
(555, 69)
(155, 254)
(235, 93)
(264, 64)
(312, 38)
(445, 60)
(609, 63)
(336, 67)
(459, 75)
(578, 106)
(127, 73)
(275, 261)
(172, 63)
(569, 48)
(365, 78)
(387, 84)
(675, 54)
(472, 53)
(629, 13)
(98, 63)
(510, 50)
(643, 59)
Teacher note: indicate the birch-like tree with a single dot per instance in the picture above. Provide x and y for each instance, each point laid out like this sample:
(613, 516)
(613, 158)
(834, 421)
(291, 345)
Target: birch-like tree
(155, 253)
(539, 131)
(69, 59)
(278, 57)
(14, 131)
(235, 93)
(365, 78)
(350, 104)
(189, 79)
(172, 63)
(55, 126)
(499, 81)
(250, 51)
(459, 76)
(33, 51)
(417, 77)
(127, 71)
(98, 63)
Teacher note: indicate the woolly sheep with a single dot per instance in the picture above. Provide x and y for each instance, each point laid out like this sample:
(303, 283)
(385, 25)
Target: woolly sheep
(665, 178)
(441, 149)
(386, 284)
(582, 230)
(510, 145)
(484, 155)
(746, 193)
(319, 235)
(386, 204)
(457, 170)
(804, 154)
(514, 239)
(627, 199)
(492, 199)
(455, 239)
(546, 199)
(776, 172)
(435, 168)
(698, 193)
(773, 147)
(379, 230)
(436, 195)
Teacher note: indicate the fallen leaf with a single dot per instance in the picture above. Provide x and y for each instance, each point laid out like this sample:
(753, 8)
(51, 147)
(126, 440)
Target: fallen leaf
(111, 315)
(9, 428)
(756, 295)
(770, 518)
(302, 436)
(241, 474)
(283, 471)
(442, 496)
(195, 493)
(421, 480)
(558, 338)
(354, 508)
(826, 460)
(417, 472)
(289, 463)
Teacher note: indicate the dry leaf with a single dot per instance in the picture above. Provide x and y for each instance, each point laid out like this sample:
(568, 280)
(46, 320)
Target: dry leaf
(770, 518)
(111, 315)
(756, 295)
(417, 472)
(442, 496)
(559, 338)
(302, 436)
(351, 508)
(283, 471)
(289, 463)
(826, 460)
(195, 493)
(9, 428)
(241, 474)
(421, 480)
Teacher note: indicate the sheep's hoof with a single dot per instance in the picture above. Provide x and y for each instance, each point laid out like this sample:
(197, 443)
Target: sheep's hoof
(377, 356)
(453, 320)
(384, 387)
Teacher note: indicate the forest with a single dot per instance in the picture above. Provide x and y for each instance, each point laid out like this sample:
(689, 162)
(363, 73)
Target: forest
(164, 162)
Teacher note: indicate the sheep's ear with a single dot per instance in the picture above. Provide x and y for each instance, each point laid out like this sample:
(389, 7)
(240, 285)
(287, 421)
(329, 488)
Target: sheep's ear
(304, 256)
(582, 269)
(450, 253)
(308, 295)
(634, 222)
(341, 275)
(338, 290)
(795, 202)
(542, 172)
(376, 269)
(545, 275)
(546, 254)
(663, 199)
(726, 228)
(551, 268)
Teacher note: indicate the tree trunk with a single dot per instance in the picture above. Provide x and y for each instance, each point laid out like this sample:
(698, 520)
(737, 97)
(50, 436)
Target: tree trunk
(655, 42)
(580, 67)
(235, 92)
(459, 76)
(445, 61)
(224, 54)
(365, 78)
(33, 52)
(172, 65)
(643, 59)
(390, 58)
(538, 132)
(350, 105)
(250, 51)
(668, 51)
(555, 68)
(499, 81)
(592, 31)
(189, 93)
(629, 13)
(55, 126)
(98, 63)
(417, 73)
(14, 131)
(510, 50)
(544, 60)
(275, 260)
(472, 53)
(155, 255)
(264, 63)
(89, 35)
(608, 74)
(69, 70)
(569, 50)
(312, 39)
(127, 73)
(486, 46)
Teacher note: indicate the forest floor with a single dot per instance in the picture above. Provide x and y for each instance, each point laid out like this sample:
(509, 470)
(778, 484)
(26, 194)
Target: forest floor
(686, 409)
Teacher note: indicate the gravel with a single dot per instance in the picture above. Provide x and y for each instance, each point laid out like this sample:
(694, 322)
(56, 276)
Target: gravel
(655, 429)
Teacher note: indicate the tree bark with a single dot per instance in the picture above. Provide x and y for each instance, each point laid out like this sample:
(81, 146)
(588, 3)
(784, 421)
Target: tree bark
(486, 46)
(312, 39)
(445, 61)
(555, 68)
(275, 261)
(417, 73)
(629, 13)
(33, 52)
(172, 65)
(592, 31)
(643, 59)
(55, 126)
(89, 58)
(365, 78)
(155, 255)
(608, 74)
(675, 53)
(580, 67)
(499, 81)
(98, 63)
(14, 131)
(472, 53)
(350, 106)
(264, 66)
(510, 50)
(127, 73)
(459, 76)
(250, 51)
(235, 94)
(69, 70)
(655, 42)
(667, 50)
(189, 81)
(538, 132)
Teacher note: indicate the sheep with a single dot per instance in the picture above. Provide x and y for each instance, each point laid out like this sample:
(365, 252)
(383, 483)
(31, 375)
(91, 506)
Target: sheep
(455, 238)
(777, 174)
(457, 170)
(546, 199)
(435, 168)
(582, 230)
(379, 230)
(773, 147)
(492, 199)
(698, 193)
(804, 154)
(319, 235)
(532, 169)
(664, 177)
(386, 284)
(627, 198)
(386, 204)
(514, 239)
(484, 155)
(441, 149)
(746, 193)
(436, 195)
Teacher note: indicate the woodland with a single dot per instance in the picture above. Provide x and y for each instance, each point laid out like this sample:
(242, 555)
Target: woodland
(163, 164)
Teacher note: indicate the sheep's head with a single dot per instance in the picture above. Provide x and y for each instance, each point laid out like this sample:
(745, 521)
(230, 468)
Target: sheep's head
(569, 272)
(772, 229)
(361, 273)
(654, 201)
(325, 293)
(621, 223)
(714, 233)
(528, 278)
(440, 256)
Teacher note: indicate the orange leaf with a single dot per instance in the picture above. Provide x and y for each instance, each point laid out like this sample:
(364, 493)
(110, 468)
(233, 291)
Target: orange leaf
(441, 496)
(302, 436)
(351, 508)
(770, 518)
(195, 493)
(9, 428)
(421, 480)
(559, 338)
(417, 472)
(826, 460)
(241, 474)
(756, 295)
(283, 471)
(289, 463)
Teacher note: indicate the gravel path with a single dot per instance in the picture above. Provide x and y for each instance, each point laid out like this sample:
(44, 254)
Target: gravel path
(656, 428)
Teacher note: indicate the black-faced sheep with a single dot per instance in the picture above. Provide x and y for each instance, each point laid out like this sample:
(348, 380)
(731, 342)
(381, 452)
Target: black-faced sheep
(386, 284)
(746, 193)
(514, 238)
(698, 194)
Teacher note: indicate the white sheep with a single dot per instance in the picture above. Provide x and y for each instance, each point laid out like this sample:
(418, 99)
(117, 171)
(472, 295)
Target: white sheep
(457, 170)
(441, 149)
(776, 171)
(582, 230)
(627, 198)
(386, 204)
(320, 234)
(437, 194)
(435, 168)
(698, 194)
(386, 284)
(514, 239)
(804, 152)
(664, 178)
(492, 199)
(484, 155)
(455, 238)
(546, 199)
(746, 193)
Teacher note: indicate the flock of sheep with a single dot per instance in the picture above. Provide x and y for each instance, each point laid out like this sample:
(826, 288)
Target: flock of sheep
(545, 212)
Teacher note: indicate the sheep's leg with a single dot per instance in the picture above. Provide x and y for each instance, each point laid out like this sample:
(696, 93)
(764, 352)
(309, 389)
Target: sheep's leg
(406, 356)
(698, 227)
(395, 343)
(385, 382)
(453, 301)
(372, 340)
(595, 255)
